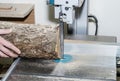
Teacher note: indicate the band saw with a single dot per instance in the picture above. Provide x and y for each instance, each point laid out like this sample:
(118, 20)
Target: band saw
(81, 60)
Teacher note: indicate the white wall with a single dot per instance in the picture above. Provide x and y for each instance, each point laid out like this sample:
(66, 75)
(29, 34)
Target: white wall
(41, 10)
(107, 12)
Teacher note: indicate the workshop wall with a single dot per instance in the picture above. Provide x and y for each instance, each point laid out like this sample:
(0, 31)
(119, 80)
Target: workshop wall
(41, 9)
(107, 12)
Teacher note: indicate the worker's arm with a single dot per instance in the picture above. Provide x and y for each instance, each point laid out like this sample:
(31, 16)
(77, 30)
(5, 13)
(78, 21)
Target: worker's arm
(7, 49)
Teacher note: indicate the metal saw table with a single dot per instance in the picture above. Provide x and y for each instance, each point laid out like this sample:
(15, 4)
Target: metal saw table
(83, 61)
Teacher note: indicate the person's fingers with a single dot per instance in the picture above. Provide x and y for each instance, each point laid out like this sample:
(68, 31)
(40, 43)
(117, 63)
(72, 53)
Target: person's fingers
(5, 31)
(9, 45)
(7, 51)
(3, 55)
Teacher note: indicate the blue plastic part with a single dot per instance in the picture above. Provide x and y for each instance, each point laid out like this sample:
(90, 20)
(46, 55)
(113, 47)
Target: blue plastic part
(67, 58)
(51, 2)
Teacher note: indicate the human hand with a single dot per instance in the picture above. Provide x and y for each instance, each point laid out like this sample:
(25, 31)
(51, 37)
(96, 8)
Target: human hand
(7, 49)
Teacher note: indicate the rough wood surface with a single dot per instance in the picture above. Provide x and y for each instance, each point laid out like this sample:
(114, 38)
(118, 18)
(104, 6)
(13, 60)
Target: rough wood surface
(34, 41)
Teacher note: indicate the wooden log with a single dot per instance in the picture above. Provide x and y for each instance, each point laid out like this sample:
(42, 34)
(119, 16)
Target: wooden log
(34, 41)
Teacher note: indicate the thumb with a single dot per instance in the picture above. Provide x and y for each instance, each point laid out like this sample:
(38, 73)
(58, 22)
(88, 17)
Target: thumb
(5, 31)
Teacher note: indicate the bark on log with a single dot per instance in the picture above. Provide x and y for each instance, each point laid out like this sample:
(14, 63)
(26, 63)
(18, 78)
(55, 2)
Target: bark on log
(34, 41)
